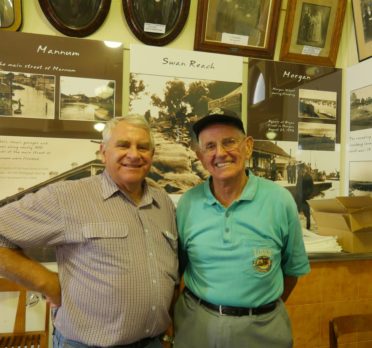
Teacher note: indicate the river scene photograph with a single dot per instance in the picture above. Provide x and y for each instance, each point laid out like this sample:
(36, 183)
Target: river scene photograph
(27, 95)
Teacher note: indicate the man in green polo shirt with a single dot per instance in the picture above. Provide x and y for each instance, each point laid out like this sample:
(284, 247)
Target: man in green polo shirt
(241, 247)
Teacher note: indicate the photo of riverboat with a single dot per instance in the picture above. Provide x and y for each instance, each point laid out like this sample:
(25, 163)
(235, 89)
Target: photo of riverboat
(317, 104)
(316, 136)
(27, 95)
(85, 99)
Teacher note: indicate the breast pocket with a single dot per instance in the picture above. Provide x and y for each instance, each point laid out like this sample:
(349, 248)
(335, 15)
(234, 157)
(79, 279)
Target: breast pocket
(171, 239)
(263, 258)
(108, 243)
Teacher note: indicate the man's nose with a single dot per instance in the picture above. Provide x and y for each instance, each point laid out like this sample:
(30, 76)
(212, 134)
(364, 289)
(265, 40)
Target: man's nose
(220, 149)
(133, 151)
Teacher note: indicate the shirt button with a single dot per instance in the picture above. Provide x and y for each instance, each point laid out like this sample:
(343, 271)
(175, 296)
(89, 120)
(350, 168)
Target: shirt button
(150, 253)
(227, 214)
(154, 281)
(227, 230)
(147, 330)
(146, 230)
(153, 308)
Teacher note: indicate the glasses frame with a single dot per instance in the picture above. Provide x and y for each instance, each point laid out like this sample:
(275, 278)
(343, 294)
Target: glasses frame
(235, 147)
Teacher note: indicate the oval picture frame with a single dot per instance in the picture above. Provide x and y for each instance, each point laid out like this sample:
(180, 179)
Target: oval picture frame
(78, 20)
(11, 15)
(156, 22)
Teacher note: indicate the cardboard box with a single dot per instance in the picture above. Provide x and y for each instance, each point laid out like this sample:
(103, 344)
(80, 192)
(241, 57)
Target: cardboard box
(348, 218)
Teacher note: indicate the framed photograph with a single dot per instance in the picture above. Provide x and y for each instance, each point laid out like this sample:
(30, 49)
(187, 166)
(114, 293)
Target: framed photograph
(156, 22)
(239, 27)
(362, 11)
(10, 15)
(75, 18)
(312, 31)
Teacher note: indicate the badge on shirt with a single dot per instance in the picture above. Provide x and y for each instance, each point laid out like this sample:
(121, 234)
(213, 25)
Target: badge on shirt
(262, 261)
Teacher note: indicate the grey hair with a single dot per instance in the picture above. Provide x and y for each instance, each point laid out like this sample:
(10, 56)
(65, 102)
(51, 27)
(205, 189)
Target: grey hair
(134, 120)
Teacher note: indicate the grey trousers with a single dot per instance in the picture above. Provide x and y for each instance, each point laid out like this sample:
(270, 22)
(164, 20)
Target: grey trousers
(199, 327)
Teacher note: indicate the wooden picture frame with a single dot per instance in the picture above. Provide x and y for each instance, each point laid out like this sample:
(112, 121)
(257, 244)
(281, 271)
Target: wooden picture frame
(362, 12)
(10, 15)
(79, 19)
(156, 23)
(312, 31)
(239, 27)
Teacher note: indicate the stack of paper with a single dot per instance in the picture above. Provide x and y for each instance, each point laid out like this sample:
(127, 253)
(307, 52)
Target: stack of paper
(315, 243)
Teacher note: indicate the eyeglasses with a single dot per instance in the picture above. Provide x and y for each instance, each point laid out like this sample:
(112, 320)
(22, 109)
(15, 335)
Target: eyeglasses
(228, 144)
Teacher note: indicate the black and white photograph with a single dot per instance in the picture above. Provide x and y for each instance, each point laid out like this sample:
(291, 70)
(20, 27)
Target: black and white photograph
(366, 10)
(77, 13)
(316, 136)
(317, 104)
(306, 174)
(157, 11)
(361, 108)
(240, 17)
(360, 178)
(85, 99)
(314, 21)
(27, 95)
(171, 105)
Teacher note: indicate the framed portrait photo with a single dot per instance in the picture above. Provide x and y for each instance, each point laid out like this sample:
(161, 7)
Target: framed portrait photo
(238, 27)
(10, 15)
(312, 31)
(78, 18)
(156, 22)
(362, 11)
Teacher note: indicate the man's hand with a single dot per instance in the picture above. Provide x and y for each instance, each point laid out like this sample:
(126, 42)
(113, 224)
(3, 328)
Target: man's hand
(53, 290)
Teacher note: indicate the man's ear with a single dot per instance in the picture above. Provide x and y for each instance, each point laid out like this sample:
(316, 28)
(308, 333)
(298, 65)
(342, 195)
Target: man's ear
(102, 151)
(249, 144)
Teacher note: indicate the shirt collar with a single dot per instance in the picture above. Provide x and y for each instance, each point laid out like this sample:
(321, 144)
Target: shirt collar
(248, 193)
(110, 188)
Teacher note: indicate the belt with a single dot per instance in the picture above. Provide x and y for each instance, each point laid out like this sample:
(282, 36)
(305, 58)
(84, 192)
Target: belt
(233, 311)
(139, 344)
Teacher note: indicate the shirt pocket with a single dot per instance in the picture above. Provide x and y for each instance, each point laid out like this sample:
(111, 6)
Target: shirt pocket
(171, 239)
(263, 258)
(108, 242)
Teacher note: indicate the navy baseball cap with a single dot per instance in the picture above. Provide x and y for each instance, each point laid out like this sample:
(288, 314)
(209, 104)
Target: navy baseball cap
(218, 115)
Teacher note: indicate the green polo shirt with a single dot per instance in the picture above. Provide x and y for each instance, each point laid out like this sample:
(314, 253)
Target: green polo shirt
(238, 255)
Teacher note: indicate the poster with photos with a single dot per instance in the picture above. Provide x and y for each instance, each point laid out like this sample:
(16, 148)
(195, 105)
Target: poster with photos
(359, 130)
(172, 90)
(294, 115)
(50, 86)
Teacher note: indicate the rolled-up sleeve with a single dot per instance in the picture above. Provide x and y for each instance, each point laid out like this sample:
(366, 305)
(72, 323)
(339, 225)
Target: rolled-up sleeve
(33, 221)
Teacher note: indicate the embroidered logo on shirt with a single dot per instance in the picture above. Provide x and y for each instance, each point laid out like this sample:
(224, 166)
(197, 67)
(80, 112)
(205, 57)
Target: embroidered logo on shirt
(262, 262)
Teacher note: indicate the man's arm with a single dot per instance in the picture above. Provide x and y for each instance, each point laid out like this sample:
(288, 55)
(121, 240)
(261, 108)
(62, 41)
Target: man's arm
(289, 284)
(19, 268)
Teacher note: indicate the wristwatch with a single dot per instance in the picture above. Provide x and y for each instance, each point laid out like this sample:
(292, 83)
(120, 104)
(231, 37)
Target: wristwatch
(167, 338)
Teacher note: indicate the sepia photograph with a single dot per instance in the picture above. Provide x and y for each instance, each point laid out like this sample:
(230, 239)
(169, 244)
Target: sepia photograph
(361, 108)
(366, 9)
(240, 27)
(305, 174)
(85, 99)
(316, 136)
(317, 104)
(312, 31)
(362, 13)
(360, 178)
(171, 105)
(313, 26)
(27, 95)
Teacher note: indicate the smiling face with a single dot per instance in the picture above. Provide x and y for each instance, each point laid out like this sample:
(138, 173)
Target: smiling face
(223, 150)
(128, 155)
